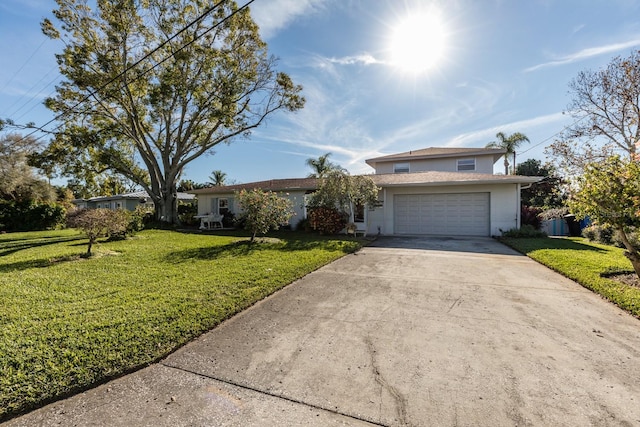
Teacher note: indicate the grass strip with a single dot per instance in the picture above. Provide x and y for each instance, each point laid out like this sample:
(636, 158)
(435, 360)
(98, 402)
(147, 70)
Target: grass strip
(586, 263)
(68, 323)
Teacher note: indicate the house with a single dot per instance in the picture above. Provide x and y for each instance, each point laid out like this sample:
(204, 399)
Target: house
(129, 201)
(435, 191)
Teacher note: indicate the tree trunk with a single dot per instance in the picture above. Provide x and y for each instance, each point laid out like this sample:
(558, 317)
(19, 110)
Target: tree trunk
(166, 208)
(631, 252)
(506, 164)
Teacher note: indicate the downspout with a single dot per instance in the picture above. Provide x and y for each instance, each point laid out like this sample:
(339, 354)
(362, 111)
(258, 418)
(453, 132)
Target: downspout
(519, 201)
(384, 211)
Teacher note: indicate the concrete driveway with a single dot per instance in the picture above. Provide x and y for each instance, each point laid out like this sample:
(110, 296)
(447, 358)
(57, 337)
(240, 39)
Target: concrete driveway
(407, 332)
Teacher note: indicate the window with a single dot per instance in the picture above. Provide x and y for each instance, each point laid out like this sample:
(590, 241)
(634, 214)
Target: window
(118, 205)
(401, 168)
(467, 164)
(220, 205)
(223, 206)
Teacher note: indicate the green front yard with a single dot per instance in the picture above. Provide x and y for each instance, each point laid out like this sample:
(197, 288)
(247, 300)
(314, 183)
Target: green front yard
(585, 262)
(67, 322)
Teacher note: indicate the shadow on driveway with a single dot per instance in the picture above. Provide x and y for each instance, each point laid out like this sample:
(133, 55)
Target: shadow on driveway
(480, 245)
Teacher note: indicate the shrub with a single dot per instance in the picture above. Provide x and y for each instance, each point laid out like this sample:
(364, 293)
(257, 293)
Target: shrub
(600, 233)
(526, 231)
(30, 215)
(327, 220)
(303, 225)
(96, 223)
(186, 213)
(530, 215)
(263, 211)
(228, 219)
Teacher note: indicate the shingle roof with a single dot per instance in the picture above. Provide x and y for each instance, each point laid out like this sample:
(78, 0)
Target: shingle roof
(437, 152)
(270, 185)
(430, 178)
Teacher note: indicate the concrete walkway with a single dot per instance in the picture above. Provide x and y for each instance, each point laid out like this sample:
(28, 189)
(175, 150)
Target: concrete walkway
(407, 332)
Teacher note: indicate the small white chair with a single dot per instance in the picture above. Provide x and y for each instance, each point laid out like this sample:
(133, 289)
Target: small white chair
(212, 220)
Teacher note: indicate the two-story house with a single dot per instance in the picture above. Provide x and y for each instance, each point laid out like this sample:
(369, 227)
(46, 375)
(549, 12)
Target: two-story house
(437, 191)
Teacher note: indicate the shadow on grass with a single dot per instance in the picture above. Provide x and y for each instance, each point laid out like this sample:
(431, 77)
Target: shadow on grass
(244, 247)
(36, 263)
(528, 245)
(13, 246)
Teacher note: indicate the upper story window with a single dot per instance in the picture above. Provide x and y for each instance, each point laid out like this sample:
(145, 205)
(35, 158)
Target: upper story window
(401, 168)
(466, 164)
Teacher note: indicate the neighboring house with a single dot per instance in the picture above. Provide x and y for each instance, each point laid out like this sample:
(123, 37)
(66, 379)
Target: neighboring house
(439, 191)
(129, 201)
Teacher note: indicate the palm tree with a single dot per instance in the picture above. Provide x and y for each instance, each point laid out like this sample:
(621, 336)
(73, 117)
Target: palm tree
(508, 143)
(217, 178)
(321, 166)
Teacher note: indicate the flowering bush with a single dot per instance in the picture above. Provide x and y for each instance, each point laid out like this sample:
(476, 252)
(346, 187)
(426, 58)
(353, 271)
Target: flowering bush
(326, 220)
(263, 211)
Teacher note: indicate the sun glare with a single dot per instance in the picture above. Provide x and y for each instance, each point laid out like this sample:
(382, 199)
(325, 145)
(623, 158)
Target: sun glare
(418, 42)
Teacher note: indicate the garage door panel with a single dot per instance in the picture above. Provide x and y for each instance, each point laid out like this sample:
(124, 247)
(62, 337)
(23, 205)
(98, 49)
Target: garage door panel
(444, 214)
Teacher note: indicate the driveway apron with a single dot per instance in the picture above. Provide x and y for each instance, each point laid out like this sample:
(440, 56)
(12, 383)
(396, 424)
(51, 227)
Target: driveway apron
(415, 331)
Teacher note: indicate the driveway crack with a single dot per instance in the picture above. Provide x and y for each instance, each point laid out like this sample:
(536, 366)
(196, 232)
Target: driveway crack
(400, 400)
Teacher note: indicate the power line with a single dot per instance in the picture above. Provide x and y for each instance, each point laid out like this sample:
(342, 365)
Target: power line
(554, 135)
(130, 67)
(22, 66)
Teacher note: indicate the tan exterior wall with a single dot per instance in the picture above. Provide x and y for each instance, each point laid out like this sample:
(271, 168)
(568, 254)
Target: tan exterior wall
(484, 164)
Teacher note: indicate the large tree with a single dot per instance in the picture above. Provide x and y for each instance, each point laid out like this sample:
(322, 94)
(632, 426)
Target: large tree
(606, 112)
(149, 86)
(510, 144)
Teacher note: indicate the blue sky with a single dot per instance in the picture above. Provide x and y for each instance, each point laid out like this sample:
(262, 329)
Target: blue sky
(500, 65)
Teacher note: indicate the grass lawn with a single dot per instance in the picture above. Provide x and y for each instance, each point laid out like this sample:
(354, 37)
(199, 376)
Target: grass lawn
(585, 262)
(67, 322)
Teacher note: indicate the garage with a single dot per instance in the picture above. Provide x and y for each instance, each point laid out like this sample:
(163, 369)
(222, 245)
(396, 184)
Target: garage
(464, 214)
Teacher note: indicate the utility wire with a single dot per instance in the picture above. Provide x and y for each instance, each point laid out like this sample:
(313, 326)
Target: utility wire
(554, 135)
(22, 66)
(160, 46)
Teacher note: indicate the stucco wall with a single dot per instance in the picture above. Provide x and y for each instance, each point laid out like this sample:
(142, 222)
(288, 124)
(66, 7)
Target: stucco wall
(503, 200)
(205, 202)
(484, 164)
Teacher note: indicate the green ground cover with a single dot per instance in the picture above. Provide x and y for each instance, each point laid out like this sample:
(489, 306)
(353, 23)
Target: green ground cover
(585, 262)
(68, 322)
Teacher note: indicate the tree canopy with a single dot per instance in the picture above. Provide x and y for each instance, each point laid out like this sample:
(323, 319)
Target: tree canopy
(322, 166)
(544, 194)
(510, 144)
(609, 194)
(606, 112)
(217, 178)
(18, 181)
(151, 86)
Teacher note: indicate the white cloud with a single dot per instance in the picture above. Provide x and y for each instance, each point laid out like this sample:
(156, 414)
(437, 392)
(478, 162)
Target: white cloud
(484, 136)
(585, 54)
(274, 15)
(364, 58)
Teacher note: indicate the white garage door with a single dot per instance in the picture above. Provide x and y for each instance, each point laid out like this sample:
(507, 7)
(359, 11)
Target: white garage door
(462, 214)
